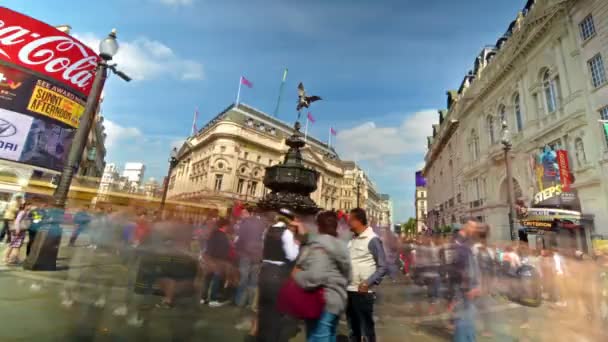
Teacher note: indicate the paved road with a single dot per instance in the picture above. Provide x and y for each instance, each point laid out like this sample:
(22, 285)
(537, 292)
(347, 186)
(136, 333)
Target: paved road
(31, 310)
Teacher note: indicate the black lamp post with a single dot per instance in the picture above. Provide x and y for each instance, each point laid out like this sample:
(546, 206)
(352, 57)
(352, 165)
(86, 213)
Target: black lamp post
(359, 181)
(507, 145)
(107, 49)
(172, 164)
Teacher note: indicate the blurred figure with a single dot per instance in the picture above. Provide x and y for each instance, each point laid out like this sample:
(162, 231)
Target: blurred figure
(427, 269)
(179, 273)
(81, 223)
(392, 248)
(217, 257)
(17, 235)
(324, 262)
(468, 283)
(486, 260)
(10, 213)
(249, 243)
(368, 264)
(279, 252)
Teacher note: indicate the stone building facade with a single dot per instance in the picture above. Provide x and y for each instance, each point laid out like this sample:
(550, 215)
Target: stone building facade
(545, 77)
(226, 160)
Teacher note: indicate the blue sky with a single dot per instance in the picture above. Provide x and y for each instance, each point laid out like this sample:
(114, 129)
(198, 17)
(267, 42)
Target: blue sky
(381, 66)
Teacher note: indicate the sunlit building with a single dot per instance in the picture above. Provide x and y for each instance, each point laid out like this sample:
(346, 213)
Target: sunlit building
(546, 78)
(226, 160)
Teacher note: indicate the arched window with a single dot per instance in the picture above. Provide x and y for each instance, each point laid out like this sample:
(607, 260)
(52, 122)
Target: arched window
(517, 112)
(550, 87)
(490, 128)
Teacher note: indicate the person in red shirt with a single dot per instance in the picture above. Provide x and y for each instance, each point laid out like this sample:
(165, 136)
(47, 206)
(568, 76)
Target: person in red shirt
(142, 229)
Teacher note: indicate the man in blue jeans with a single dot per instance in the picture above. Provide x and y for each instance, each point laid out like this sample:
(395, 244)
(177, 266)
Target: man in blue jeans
(368, 264)
(467, 282)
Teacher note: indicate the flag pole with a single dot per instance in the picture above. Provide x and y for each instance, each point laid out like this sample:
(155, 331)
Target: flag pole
(306, 129)
(276, 109)
(329, 138)
(238, 93)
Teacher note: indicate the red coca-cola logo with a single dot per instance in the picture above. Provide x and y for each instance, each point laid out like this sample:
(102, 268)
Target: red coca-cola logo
(32, 44)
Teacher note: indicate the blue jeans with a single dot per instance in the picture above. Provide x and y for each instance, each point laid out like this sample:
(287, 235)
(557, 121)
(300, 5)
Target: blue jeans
(323, 329)
(464, 324)
(248, 281)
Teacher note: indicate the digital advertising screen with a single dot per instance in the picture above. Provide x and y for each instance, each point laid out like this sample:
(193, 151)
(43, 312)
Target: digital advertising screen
(45, 78)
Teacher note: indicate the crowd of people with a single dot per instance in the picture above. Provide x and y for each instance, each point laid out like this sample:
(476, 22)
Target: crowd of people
(282, 268)
(468, 273)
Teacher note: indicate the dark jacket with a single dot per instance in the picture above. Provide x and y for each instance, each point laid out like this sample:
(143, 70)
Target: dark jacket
(218, 245)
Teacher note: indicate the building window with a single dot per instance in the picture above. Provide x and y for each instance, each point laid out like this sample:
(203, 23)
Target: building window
(474, 145)
(220, 165)
(222, 149)
(587, 27)
(239, 186)
(259, 158)
(269, 162)
(517, 108)
(598, 72)
(250, 122)
(490, 128)
(253, 188)
(550, 87)
(273, 131)
(604, 116)
(245, 155)
(218, 182)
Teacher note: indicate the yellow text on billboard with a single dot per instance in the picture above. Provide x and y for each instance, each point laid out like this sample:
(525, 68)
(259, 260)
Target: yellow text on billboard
(47, 102)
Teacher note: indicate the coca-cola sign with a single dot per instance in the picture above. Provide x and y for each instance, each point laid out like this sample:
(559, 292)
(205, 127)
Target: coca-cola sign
(32, 44)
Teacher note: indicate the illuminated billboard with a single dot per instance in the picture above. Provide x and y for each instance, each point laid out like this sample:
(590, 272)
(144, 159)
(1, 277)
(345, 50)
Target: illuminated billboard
(45, 78)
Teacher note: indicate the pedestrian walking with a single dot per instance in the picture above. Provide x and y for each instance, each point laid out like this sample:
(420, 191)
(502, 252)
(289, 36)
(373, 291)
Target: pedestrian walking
(248, 244)
(82, 219)
(324, 263)
(17, 231)
(368, 264)
(217, 258)
(10, 213)
(468, 283)
(279, 252)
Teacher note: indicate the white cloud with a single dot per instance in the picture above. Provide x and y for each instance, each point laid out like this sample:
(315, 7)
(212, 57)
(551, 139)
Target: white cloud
(368, 141)
(145, 59)
(176, 2)
(116, 133)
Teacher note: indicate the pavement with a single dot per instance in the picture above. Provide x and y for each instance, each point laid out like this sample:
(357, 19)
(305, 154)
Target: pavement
(31, 310)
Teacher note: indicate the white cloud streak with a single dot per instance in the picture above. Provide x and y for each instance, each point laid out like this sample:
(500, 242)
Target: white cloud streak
(117, 133)
(145, 59)
(176, 2)
(368, 141)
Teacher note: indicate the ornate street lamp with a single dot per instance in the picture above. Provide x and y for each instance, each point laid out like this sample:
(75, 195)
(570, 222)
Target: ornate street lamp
(359, 181)
(290, 182)
(507, 145)
(107, 49)
(172, 164)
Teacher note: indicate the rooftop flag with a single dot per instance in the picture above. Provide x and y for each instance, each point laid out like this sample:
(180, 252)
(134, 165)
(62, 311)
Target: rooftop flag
(310, 117)
(246, 82)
